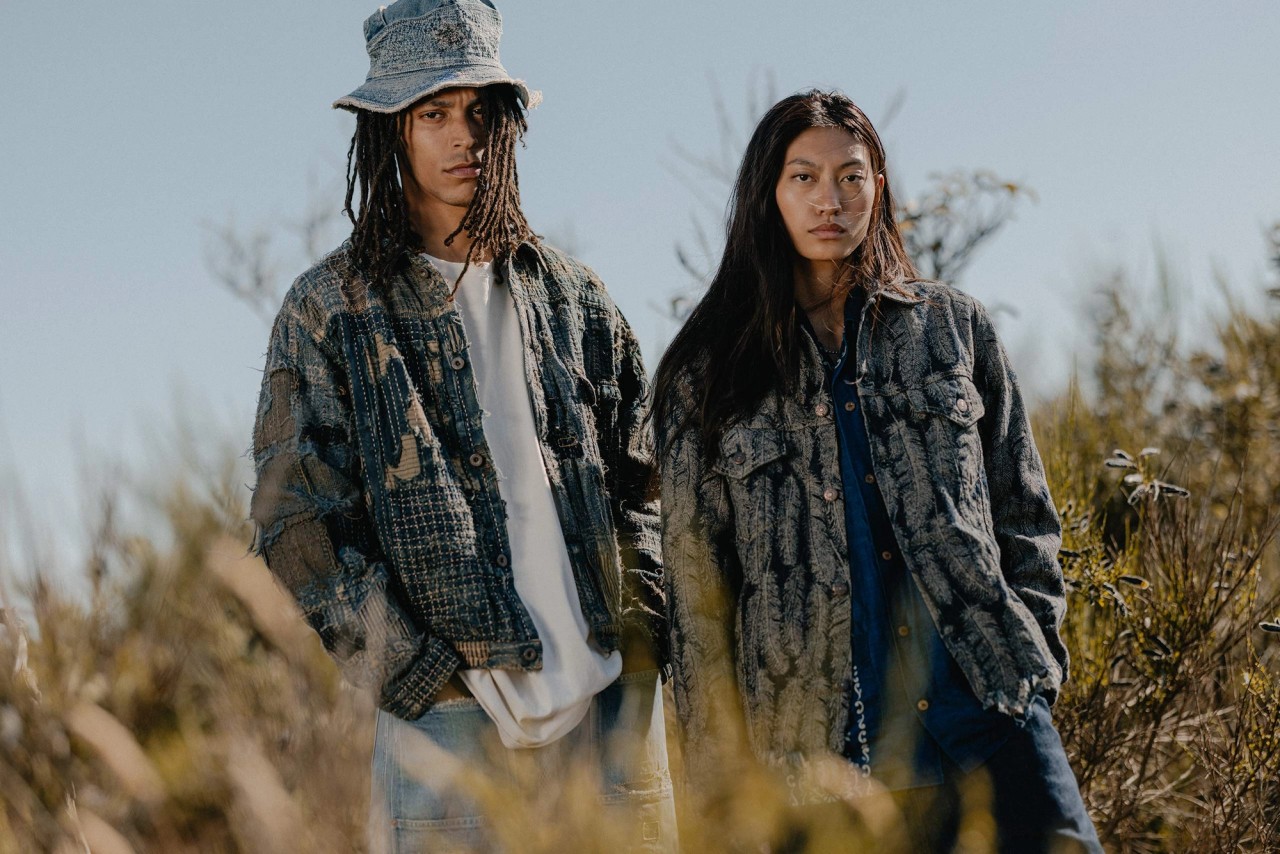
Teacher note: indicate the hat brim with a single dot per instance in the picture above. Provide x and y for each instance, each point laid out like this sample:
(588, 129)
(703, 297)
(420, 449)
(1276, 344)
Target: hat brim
(393, 93)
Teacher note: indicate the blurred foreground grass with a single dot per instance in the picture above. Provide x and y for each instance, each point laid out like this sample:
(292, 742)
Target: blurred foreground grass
(184, 706)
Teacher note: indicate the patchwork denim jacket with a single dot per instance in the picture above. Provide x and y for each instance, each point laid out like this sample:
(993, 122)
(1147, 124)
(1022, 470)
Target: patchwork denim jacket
(377, 504)
(756, 553)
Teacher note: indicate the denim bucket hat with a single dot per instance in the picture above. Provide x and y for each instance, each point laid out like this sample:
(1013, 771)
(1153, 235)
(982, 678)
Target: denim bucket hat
(417, 47)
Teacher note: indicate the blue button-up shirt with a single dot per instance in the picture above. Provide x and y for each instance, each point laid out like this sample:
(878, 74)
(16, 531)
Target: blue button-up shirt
(910, 705)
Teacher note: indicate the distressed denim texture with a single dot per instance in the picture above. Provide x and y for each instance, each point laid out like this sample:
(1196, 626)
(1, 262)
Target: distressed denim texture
(377, 504)
(754, 535)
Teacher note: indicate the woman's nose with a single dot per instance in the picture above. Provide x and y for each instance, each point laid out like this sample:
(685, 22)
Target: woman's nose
(826, 201)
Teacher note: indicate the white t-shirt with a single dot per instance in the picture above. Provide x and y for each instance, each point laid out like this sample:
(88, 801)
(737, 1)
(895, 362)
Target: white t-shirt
(530, 708)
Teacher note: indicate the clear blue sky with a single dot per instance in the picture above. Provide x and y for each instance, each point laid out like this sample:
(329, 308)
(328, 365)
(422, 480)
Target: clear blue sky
(128, 125)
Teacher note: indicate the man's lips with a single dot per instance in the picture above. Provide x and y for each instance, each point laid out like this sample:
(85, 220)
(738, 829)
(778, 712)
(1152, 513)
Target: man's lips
(465, 170)
(829, 230)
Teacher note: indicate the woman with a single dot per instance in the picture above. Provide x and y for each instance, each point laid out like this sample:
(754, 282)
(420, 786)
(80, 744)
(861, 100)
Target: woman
(860, 545)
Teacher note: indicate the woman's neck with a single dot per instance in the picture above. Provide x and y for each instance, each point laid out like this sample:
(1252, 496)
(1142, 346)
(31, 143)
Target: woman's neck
(816, 288)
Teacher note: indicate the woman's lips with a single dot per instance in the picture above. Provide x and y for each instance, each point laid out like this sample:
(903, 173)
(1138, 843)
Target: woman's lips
(829, 231)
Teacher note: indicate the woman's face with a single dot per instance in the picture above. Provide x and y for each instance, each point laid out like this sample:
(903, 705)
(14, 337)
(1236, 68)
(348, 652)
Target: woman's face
(826, 193)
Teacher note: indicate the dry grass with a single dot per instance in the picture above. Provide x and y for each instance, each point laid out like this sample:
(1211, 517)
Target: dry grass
(183, 706)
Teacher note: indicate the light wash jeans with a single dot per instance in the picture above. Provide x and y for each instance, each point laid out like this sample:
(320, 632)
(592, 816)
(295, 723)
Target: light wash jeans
(445, 782)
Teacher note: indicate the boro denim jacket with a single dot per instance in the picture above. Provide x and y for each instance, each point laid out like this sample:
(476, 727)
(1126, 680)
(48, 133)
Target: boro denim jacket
(756, 553)
(377, 504)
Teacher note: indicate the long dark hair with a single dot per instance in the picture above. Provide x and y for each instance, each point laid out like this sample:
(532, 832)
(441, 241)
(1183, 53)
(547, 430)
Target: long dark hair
(742, 341)
(382, 235)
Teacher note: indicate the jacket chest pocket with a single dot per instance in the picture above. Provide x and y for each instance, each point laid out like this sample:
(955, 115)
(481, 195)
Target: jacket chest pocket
(764, 494)
(942, 417)
(777, 605)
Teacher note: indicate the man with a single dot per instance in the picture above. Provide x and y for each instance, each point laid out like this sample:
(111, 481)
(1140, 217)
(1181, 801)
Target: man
(453, 476)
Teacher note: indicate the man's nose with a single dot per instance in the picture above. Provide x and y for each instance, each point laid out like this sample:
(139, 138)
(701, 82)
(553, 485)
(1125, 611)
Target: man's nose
(467, 133)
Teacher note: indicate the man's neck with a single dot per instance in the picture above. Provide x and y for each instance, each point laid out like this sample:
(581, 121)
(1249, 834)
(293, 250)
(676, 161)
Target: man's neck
(433, 242)
(434, 225)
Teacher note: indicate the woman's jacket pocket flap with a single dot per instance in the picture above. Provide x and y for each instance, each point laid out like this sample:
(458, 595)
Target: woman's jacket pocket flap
(954, 397)
(745, 449)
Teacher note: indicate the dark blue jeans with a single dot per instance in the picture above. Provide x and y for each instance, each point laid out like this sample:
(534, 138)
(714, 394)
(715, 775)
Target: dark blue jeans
(1033, 796)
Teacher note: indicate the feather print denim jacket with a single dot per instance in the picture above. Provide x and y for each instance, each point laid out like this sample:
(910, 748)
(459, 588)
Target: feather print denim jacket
(755, 550)
(377, 504)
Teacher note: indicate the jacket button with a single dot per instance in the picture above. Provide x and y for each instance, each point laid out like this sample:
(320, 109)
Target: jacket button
(922, 706)
(822, 410)
(739, 458)
(962, 405)
(903, 631)
(501, 560)
(529, 654)
(476, 460)
(829, 494)
(839, 590)
(458, 363)
(870, 478)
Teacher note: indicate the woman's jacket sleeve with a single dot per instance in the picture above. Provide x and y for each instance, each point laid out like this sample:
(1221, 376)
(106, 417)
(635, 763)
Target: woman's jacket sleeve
(702, 579)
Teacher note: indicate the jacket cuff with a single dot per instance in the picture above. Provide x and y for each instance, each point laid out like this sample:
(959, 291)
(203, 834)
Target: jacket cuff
(410, 693)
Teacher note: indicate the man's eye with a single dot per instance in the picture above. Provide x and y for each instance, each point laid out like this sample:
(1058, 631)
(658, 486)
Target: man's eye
(803, 178)
(854, 179)
(430, 114)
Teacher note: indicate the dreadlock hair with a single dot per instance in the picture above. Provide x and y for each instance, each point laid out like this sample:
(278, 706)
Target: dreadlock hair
(382, 235)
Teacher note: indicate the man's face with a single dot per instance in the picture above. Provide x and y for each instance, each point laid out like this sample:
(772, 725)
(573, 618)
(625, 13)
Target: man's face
(444, 138)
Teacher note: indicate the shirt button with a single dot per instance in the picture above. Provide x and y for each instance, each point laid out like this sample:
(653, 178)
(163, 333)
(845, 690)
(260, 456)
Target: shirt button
(903, 631)
(922, 706)
(887, 555)
(870, 478)
(458, 363)
(962, 405)
(501, 560)
(850, 406)
(476, 460)
(821, 409)
(839, 590)
(829, 494)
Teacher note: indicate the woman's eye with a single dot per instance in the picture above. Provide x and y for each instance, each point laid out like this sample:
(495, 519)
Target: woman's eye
(854, 179)
(803, 178)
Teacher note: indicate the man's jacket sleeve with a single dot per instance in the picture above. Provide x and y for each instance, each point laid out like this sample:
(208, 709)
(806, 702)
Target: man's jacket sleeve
(632, 483)
(1026, 522)
(703, 577)
(314, 529)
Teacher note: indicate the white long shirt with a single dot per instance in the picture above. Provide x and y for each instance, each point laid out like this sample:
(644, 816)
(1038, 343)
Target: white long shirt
(529, 708)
